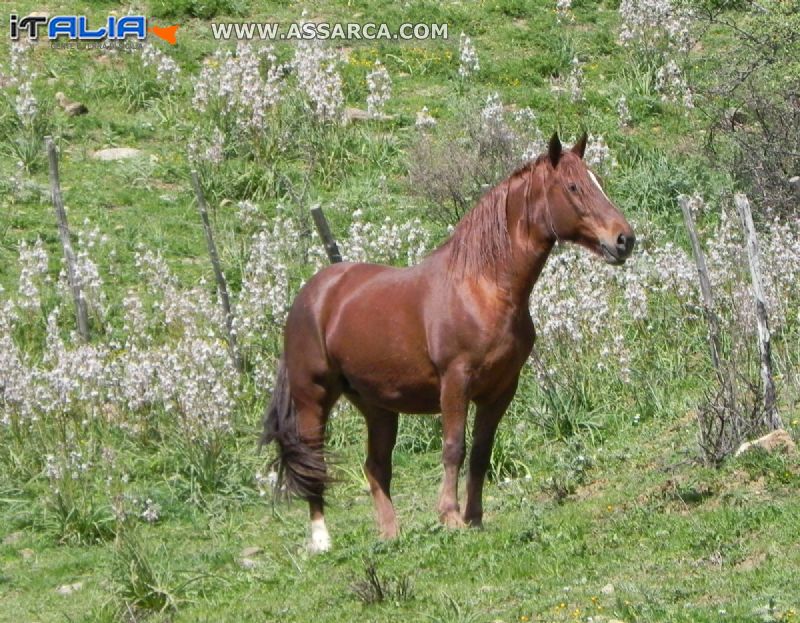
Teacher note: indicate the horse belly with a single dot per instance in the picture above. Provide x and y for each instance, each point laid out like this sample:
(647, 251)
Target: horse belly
(393, 377)
(395, 393)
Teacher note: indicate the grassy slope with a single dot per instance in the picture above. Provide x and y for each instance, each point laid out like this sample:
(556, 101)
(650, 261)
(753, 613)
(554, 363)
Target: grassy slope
(678, 543)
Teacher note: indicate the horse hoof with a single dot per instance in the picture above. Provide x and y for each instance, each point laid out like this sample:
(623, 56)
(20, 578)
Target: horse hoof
(320, 539)
(474, 522)
(317, 545)
(388, 535)
(452, 519)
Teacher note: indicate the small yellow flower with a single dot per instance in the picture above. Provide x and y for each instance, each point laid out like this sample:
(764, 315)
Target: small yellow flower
(523, 618)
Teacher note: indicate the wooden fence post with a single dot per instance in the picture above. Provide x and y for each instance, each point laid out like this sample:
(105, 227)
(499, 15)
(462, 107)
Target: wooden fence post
(714, 339)
(771, 418)
(219, 276)
(324, 230)
(66, 244)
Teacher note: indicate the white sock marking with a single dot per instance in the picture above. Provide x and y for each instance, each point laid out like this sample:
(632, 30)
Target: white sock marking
(320, 539)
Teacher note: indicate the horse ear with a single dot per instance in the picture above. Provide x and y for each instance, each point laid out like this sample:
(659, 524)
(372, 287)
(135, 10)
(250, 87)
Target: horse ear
(580, 147)
(554, 149)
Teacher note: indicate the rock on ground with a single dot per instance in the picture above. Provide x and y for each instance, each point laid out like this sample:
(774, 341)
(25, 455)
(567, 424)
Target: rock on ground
(776, 441)
(249, 552)
(357, 114)
(794, 184)
(14, 537)
(68, 589)
(117, 153)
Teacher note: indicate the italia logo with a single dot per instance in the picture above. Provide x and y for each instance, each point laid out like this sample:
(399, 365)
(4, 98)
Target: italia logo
(76, 27)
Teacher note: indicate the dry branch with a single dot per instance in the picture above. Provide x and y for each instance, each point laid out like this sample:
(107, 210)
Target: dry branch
(771, 418)
(63, 232)
(219, 276)
(324, 230)
(714, 335)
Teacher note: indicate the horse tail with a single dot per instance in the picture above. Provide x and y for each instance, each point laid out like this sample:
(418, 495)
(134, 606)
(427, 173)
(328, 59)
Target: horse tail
(300, 467)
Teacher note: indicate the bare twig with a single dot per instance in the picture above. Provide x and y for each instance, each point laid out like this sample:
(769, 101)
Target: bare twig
(771, 418)
(714, 335)
(222, 286)
(324, 230)
(66, 244)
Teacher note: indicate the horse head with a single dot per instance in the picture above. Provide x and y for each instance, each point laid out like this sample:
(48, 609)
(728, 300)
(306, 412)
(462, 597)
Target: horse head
(577, 208)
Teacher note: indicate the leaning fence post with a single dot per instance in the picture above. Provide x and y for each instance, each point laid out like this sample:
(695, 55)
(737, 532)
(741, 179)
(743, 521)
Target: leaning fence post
(63, 232)
(771, 418)
(714, 339)
(222, 286)
(331, 248)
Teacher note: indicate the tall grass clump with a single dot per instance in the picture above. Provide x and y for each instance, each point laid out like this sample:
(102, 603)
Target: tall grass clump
(259, 116)
(375, 587)
(24, 117)
(143, 585)
(658, 36)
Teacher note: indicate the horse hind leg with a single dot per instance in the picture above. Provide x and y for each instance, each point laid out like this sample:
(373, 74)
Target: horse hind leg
(296, 420)
(312, 418)
(381, 438)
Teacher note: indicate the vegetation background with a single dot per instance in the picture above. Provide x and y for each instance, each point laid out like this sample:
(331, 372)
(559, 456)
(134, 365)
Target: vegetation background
(131, 487)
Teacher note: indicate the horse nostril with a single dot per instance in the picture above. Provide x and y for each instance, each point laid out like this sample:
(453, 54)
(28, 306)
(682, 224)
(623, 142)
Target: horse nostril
(625, 244)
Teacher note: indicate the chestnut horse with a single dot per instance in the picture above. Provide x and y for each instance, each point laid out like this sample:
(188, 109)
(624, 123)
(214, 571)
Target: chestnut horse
(433, 337)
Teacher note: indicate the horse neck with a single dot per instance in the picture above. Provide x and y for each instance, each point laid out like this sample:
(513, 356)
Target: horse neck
(531, 238)
(524, 267)
(506, 255)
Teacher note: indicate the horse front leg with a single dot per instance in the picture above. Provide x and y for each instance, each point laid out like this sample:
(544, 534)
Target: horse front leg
(454, 404)
(487, 417)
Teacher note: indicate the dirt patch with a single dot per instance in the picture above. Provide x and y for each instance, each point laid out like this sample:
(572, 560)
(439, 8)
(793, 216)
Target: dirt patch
(754, 561)
(594, 489)
(678, 495)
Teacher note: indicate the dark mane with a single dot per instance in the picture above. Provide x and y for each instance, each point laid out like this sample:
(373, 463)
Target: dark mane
(480, 240)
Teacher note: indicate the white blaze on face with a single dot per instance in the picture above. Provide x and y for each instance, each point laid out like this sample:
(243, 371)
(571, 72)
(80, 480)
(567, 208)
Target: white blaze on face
(596, 183)
(320, 539)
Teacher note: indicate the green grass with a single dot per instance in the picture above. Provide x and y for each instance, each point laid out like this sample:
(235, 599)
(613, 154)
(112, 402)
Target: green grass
(596, 496)
(677, 542)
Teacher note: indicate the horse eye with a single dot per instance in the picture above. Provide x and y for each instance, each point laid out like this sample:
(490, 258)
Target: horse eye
(573, 188)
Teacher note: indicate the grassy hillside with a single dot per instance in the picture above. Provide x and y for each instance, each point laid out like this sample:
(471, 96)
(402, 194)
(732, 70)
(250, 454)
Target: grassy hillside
(131, 487)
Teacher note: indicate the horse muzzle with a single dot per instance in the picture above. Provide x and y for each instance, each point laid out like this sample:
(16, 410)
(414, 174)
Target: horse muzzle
(620, 250)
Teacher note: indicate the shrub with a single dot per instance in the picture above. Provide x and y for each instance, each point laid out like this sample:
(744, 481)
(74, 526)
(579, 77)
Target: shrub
(452, 168)
(752, 98)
